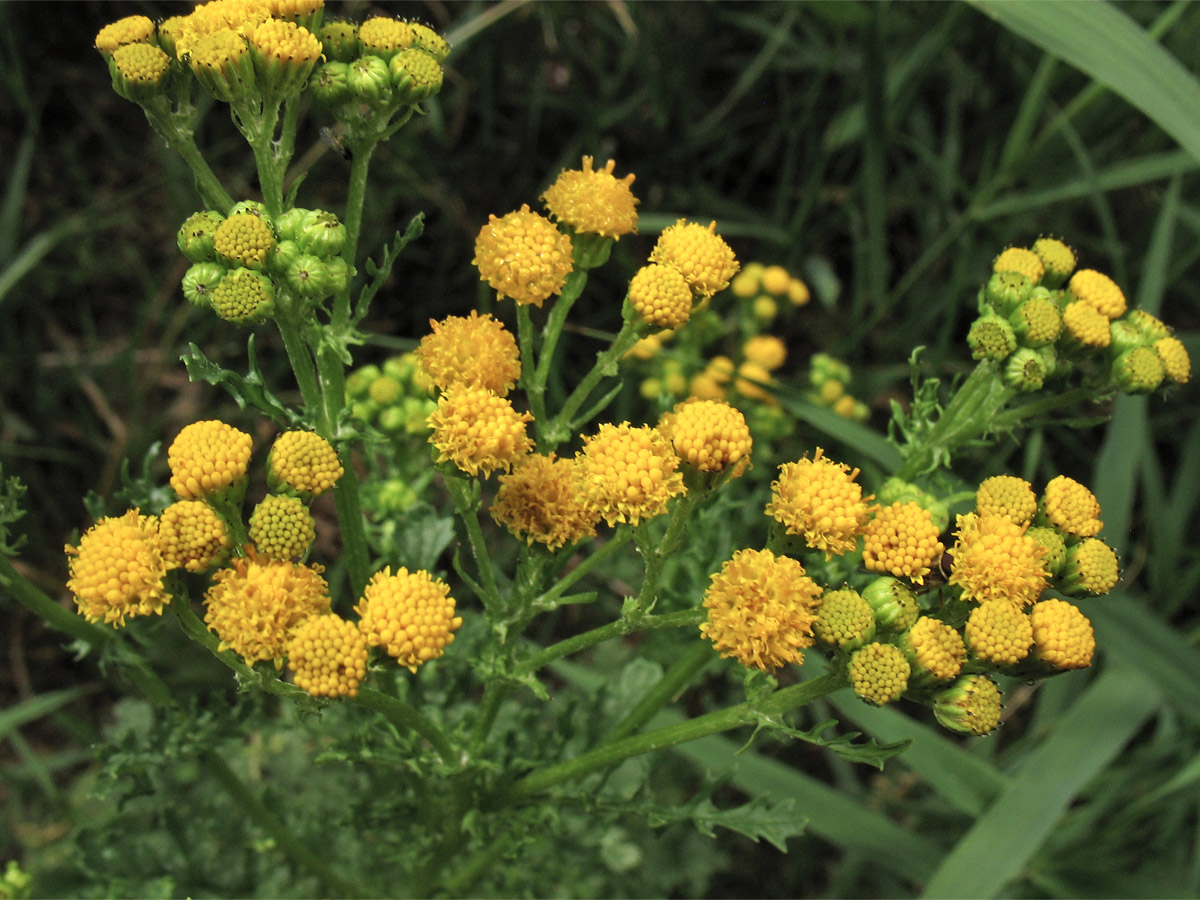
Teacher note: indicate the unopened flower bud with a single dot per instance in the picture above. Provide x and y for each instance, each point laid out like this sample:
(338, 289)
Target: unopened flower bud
(282, 256)
(282, 528)
(1056, 547)
(1005, 291)
(200, 281)
(991, 337)
(337, 275)
(339, 40)
(1149, 326)
(429, 41)
(894, 490)
(385, 390)
(1177, 364)
(971, 706)
(244, 239)
(416, 75)
(1090, 570)
(221, 63)
(392, 419)
(845, 621)
(195, 235)
(244, 297)
(1027, 369)
(307, 276)
(330, 84)
(400, 367)
(1037, 321)
(1138, 371)
(894, 605)
(321, 234)
(384, 36)
(284, 55)
(139, 71)
(1124, 335)
(1058, 260)
(359, 381)
(879, 673)
(251, 207)
(370, 81)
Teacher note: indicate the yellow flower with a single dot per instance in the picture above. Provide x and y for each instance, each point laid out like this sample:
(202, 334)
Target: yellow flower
(477, 430)
(995, 560)
(130, 30)
(284, 55)
(902, 540)
(430, 41)
(751, 378)
(1086, 325)
(328, 656)
(1062, 635)
(254, 606)
(629, 473)
(775, 280)
(1071, 508)
(1098, 291)
(709, 435)
(192, 536)
(244, 239)
(1091, 568)
(1006, 495)
(244, 297)
(281, 527)
(999, 633)
(1037, 321)
(937, 649)
(118, 569)
(1058, 259)
(661, 295)
(798, 292)
(972, 705)
(207, 457)
(1020, 260)
(1138, 371)
(595, 202)
(475, 350)
(523, 256)
(410, 615)
(541, 500)
(844, 619)
(220, 60)
(304, 462)
(819, 499)
(747, 282)
(765, 350)
(703, 257)
(1176, 362)
(384, 36)
(141, 65)
(879, 673)
(761, 609)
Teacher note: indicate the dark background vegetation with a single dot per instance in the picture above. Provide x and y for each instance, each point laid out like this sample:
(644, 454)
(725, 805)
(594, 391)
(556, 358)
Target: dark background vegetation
(863, 146)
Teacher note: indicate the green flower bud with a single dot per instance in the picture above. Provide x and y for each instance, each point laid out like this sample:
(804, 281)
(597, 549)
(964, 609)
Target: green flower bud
(1126, 336)
(400, 367)
(429, 41)
(1090, 569)
(364, 410)
(244, 297)
(282, 528)
(1056, 548)
(845, 621)
(1027, 369)
(289, 225)
(1147, 325)
(339, 39)
(359, 381)
(385, 390)
(370, 81)
(1005, 291)
(1037, 322)
(1138, 371)
(330, 84)
(308, 277)
(416, 411)
(823, 367)
(991, 337)
(337, 275)
(195, 237)
(253, 207)
(416, 75)
(895, 606)
(972, 705)
(393, 419)
(284, 255)
(200, 281)
(894, 490)
(322, 234)
(391, 496)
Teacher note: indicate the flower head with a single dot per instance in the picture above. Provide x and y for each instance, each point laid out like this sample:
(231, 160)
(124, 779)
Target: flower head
(1176, 363)
(629, 473)
(596, 202)
(994, 560)
(844, 619)
(384, 36)
(541, 500)
(936, 650)
(475, 350)
(1138, 371)
(1071, 508)
(879, 673)
(902, 540)
(207, 457)
(477, 430)
(281, 527)
(1062, 635)
(1090, 569)
(1086, 324)
(991, 337)
(220, 60)
(243, 297)
(1021, 260)
(1098, 291)
(430, 41)
(303, 462)
(705, 260)
(999, 633)
(1008, 496)
(284, 55)
(894, 604)
(339, 40)
(130, 30)
(661, 295)
(761, 609)
(1058, 259)
(1037, 321)
(972, 705)
(254, 606)
(192, 536)
(416, 75)
(117, 570)
(1055, 546)
(709, 435)
(819, 499)
(766, 350)
(328, 656)
(244, 240)
(523, 256)
(409, 614)
(141, 69)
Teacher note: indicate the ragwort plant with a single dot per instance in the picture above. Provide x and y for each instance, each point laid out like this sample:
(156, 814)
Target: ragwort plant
(424, 643)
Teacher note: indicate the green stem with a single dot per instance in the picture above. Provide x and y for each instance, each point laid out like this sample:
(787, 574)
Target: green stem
(682, 671)
(590, 563)
(181, 139)
(713, 723)
(258, 126)
(1042, 406)
(563, 426)
(301, 359)
(292, 847)
(356, 195)
(465, 494)
(572, 290)
(619, 628)
(41, 605)
(535, 389)
(408, 717)
(493, 698)
(466, 876)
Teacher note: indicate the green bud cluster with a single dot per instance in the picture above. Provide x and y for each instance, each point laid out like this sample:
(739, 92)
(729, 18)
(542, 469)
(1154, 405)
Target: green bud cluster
(830, 381)
(392, 397)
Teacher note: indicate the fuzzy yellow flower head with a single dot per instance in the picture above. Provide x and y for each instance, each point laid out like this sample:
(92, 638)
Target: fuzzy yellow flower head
(1098, 291)
(284, 55)
(844, 619)
(661, 295)
(523, 256)
(1020, 260)
(281, 527)
(902, 540)
(936, 649)
(220, 60)
(478, 431)
(999, 633)
(117, 570)
(430, 41)
(1062, 635)
(1071, 508)
(130, 30)
(1086, 324)
(596, 202)
(207, 457)
(761, 609)
(705, 260)
(244, 297)
(303, 462)
(879, 673)
(328, 656)
(1058, 259)
(541, 500)
(709, 435)
(384, 36)
(995, 560)
(1006, 495)
(244, 239)
(766, 350)
(410, 615)
(1091, 569)
(141, 65)
(255, 605)
(820, 500)
(192, 536)
(1174, 356)
(629, 473)
(476, 350)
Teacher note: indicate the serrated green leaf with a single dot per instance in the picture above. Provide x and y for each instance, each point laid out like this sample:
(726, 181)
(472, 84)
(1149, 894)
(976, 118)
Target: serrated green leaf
(760, 819)
(248, 391)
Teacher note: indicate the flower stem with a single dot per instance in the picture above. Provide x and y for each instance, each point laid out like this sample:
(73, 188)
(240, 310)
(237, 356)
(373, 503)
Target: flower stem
(591, 562)
(619, 628)
(408, 717)
(563, 425)
(698, 656)
(182, 140)
(465, 495)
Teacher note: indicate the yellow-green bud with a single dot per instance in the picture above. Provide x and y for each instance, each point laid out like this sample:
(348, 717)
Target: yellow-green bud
(971, 706)
(1090, 569)
(991, 337)
(363, 410)
(1126, 336)
(195, 237)
(1028, 369)
(221, 63)
(308, 277)
(1147, 325)
(823, 367)
(321, 234)
(400, 367)
(200, 281)
(1037, 321)
(894, 490)
(1056, 547)
(244, 239)
(878, 673)
(385, 390)
(370, 81)
(1005, 291)
(1057, 258)
(894, 605)
(416, 75)
(251, 207)
(845, 621)
(416, 411)
(337, 275)
(284, 255)
(393, 419)
(330, 84)
(429, 41)
(1138, 371)
(244, 297)
(339, 40)
(289, 225)
(359, 381)
(284, 54)
(139, 71)
(282, 528)
(934, 649)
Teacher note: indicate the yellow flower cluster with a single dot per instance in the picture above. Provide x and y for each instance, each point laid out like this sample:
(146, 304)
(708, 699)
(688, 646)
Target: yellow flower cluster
(475, 350)
(593, 201)
(709, 435)
(409, 614)
(629, 473)
(208, 457)
(281, 527)
(902, 540)
(192, 536)
(523, 256)
(820, 500)
(478, 431)
(118, 569)
(328, 656)
(1062, 635)
(763, 286)
(303, 462)
(1098, 291)
(706, 262)
(542, 500)
(995, 560)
